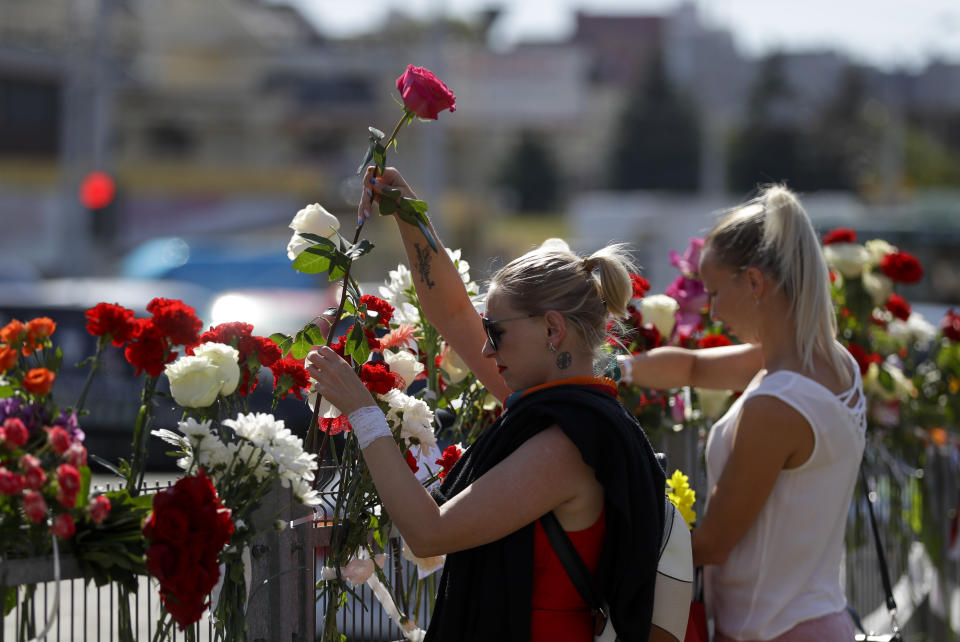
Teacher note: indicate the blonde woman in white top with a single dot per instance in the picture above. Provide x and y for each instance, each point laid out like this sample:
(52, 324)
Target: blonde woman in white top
(782, 463)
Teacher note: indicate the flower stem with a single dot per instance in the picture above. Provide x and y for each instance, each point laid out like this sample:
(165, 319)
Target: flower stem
(101, 345)
(135, 475)
(407, 117)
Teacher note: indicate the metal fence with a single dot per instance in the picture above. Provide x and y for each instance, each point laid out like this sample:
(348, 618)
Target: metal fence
(284, 568)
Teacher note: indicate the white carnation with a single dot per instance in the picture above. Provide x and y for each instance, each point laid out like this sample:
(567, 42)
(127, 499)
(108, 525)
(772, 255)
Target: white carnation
(413, 416)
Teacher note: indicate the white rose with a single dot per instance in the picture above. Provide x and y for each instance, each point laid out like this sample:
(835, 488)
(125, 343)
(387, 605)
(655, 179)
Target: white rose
(877, 249)
(660, 310)
(452, 364)
(849, 259)
(403, 364)
(194, 381)
(712, 401)
(312, 219)
(878, 286)
(226, 359)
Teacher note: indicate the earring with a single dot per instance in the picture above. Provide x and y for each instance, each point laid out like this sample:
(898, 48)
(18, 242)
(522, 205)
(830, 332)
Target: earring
(552, 347)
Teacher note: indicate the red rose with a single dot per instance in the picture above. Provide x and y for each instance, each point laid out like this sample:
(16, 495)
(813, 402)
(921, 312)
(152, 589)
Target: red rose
(58, 438)
(111, 320)
(950, 324)
(378, 379)
(68, 479)
(840, 235)
(63, 526)
(713, 341)
(33, 506)
(863, 358)
(898, 307)
(99, 508)
(901, 266)
(289, 375)
(8, 357)
(15, 434)
(424, 94)
(38, 381)
(10, 483)
(451, 454)
(175, 320)
(412, 461)
(38, 331)
(383, 309)
(640, 286)
(148, 351)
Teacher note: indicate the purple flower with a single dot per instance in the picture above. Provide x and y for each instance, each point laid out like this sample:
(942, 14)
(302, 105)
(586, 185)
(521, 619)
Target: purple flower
(68, 421)
(689, 263)
(692, 297)
(30, 414)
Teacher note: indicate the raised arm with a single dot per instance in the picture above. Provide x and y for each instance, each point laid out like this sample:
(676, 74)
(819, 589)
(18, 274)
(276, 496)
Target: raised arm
(440, 289)
(725, 368)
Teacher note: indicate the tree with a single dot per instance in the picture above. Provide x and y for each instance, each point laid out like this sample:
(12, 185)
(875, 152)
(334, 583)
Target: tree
(657, 142)
(530, 175)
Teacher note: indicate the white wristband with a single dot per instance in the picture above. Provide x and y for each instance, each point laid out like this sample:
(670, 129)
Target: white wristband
(625, 361)
(369, 424)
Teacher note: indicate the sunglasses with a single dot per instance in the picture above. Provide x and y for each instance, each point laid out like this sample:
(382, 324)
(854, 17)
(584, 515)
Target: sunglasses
(494, 333)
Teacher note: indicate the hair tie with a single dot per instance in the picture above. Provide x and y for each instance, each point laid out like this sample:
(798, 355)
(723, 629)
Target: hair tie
(589, 264)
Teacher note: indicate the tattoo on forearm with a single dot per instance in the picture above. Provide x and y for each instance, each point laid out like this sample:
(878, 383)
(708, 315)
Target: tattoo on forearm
(424, 254)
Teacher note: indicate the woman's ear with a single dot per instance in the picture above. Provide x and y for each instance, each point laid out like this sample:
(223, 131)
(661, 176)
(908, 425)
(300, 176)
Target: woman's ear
(556, 326)
(756, 281)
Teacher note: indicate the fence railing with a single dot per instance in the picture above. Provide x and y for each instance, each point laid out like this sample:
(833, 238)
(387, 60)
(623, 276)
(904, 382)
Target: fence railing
(283, 571)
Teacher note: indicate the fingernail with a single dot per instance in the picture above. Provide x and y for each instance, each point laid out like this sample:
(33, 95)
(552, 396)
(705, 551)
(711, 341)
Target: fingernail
(366, 214)
(359, 220)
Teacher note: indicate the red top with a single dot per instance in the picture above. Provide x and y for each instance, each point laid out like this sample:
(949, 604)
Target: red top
(559, 613)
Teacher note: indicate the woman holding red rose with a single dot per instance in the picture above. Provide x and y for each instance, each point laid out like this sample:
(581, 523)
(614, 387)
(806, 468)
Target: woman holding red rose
(564, 445)
(782, 462)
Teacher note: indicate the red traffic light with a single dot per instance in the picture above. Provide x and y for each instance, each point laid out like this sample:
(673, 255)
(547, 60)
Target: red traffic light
(97, 190)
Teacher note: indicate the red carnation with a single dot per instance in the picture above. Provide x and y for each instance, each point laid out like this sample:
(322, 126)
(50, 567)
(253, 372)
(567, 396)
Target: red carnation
(450, 456)
(148, 351)
(898, 307)
(950, 324)
(378, 379)
(640, 286)
(648, 338)
(411, 461)
(175, 320)
(15, 433)
(63, 526)
(99, 508)
(383, 309)
(111, 320)
(334, 425)
(863, 358)
(34, 506)
(840, 235)
(290, 375)
(11, 483)
(901, 266)
(68, 481)
(713, 341)
(227, 333)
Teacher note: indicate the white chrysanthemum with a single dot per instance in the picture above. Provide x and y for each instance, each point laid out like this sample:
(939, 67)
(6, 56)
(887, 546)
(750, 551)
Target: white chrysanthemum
(878, 286)
(403, 364)
(171, 438)
(258, 427)
(196, 430)
(305, 494)
(412, 415)
(849, 259)
(225, 358)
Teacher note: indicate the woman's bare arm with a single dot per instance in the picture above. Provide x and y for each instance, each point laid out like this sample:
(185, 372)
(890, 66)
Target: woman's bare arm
(725, 368)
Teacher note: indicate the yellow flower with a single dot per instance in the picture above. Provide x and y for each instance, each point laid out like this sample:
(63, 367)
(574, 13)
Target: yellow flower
(682, 496)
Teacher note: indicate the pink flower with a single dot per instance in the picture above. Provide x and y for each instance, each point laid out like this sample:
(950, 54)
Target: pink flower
(689, 262)
(693, 298)
(99, 508)
(76, 455)
(35, 475)
(34, 506)
(15, 434)
(68, 479)
(10, 483)
(63, 526)
(403, 335)
(424, 94)
(58, 438)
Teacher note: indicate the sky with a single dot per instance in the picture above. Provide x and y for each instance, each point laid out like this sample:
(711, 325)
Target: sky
(890, 34)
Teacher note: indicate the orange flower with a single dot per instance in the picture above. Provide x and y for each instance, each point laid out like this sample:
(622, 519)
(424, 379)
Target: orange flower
(938, 435)
(38, 331)
(12, 333)
(8, 357)
(39, 381)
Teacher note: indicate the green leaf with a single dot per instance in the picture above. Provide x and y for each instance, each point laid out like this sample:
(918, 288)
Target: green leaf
(84, 485)
(387, 206)
(367, 157)
(301, 345)
(6, 391)
(319, 240)
(106, 464)
(311, 263)
(314, 334)
(380, 157)
(361, 248)
(283, 341)
(356, 345)
(413, 206)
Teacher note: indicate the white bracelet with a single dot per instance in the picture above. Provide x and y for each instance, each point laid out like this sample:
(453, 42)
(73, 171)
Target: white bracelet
(625, 361)
(369, 424)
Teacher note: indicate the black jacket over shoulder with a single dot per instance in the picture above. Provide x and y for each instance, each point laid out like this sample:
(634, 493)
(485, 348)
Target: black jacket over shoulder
(485, 592)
